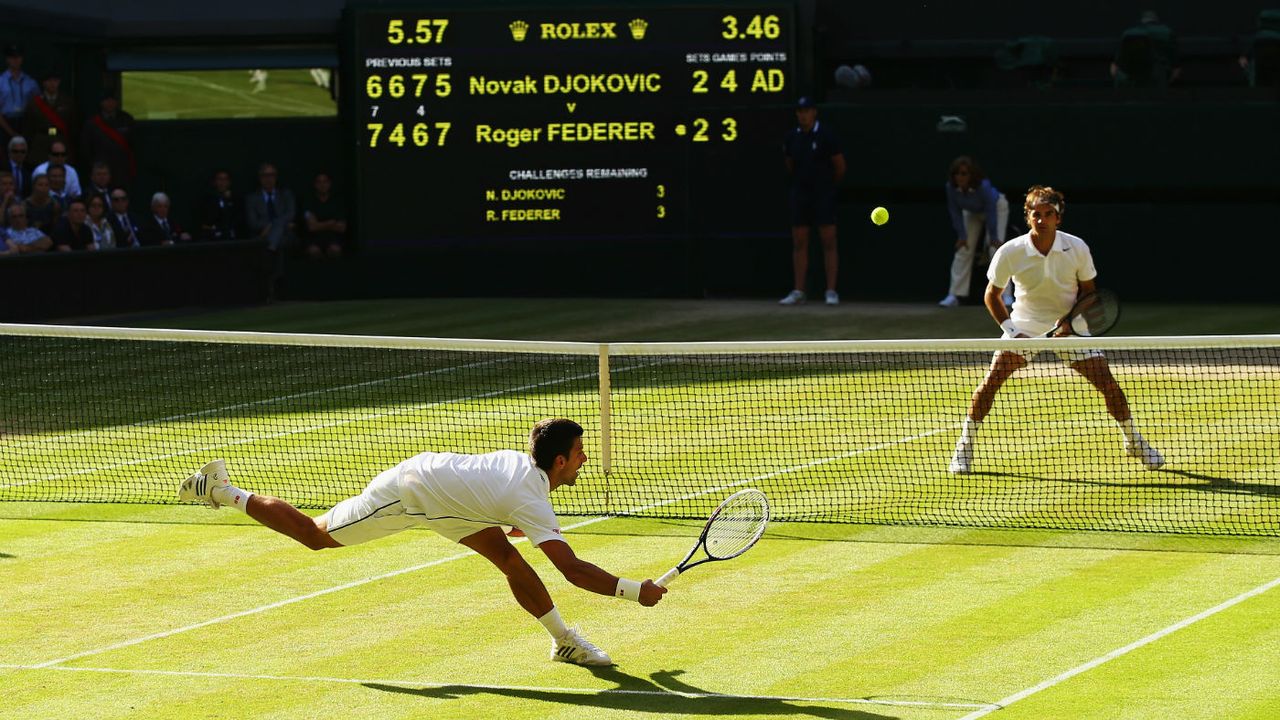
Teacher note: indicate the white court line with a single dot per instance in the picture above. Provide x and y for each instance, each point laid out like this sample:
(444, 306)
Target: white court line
(44, 441)
(294, 431)
(1023, 694)
(422, 684)
(459, 556)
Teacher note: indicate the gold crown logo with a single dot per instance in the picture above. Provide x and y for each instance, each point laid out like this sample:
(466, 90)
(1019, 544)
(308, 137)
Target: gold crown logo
(519, 29)
(638, 27)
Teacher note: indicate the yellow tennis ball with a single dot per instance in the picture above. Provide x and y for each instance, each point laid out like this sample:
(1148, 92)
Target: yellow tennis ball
(879, 216)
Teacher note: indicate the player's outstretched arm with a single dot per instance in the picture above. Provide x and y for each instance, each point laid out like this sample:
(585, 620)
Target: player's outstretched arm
(590, 577)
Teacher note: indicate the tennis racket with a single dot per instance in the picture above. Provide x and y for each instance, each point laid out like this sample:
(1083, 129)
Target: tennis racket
(1093, 314)
(731, 530)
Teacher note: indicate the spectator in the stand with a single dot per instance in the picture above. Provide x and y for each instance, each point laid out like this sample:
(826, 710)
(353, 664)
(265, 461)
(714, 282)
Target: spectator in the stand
(58, 158)
(104, 238)
(20, 237)
(50, 118)
(816, 166)
(220, 219)
(853, 77)
(123, 224)
(1148, 55)
(42, 209)
(8, 197)
(978, 211)
(71, 232)
(19, 166)
(57, 175)
(1261, 62)
(108, 137)
(157, 228)
(270, 210)
(325, 218)
(16, 90)
(100, 183)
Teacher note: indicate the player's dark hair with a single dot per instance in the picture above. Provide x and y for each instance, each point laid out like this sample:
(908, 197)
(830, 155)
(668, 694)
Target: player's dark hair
(551, 438)
(1042, 195)
(976, 175)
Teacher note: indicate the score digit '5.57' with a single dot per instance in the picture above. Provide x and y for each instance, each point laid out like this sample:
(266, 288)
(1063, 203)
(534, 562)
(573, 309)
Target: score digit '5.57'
(422, 31)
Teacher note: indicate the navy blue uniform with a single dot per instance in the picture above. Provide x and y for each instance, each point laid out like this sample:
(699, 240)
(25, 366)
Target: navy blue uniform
(813, 185)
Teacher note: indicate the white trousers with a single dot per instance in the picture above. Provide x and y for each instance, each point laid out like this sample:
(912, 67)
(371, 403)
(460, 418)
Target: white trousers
(975, 225)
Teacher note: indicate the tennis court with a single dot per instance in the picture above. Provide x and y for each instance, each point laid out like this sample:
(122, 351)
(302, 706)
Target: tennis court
(914, 604)
(203, 94)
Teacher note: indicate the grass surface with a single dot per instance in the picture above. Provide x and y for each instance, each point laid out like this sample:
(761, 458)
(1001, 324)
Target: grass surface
(641, 320)
(147, 611)
(174, 612)
(204, 94)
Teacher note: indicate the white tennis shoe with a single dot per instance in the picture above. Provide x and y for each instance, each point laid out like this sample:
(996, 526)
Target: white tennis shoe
(1141, 449)
(962, 459)
(199, 487)
(795, 297)
(573, 648)
(832, 297)
(949, 301)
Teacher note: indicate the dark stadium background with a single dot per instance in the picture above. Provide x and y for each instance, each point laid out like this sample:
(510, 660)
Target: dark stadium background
(1176, 190)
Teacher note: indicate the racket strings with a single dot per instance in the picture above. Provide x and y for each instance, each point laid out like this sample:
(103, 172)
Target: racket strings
(736, 527)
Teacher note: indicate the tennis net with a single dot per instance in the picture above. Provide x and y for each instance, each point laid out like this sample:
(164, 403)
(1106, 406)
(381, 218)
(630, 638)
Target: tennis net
(857, 431)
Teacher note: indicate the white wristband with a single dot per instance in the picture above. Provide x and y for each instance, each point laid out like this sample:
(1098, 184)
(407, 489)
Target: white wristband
(1009, 327)
(629, 589)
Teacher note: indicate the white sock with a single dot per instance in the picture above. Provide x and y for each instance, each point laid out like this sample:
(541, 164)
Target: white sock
(970, 429)
(232, 497)
(1130, 430)
(554, 624)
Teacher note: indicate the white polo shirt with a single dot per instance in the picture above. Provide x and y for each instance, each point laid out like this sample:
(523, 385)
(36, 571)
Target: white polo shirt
(497, 488)
(1045, 286)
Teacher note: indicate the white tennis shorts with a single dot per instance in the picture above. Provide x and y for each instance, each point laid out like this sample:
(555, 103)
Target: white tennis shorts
(1068, 357)
(380, 511)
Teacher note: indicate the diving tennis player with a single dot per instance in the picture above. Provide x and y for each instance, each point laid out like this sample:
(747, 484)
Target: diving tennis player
(468, 499)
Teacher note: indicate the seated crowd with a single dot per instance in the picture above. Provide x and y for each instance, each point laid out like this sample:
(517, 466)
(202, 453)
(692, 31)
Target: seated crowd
(46, 205)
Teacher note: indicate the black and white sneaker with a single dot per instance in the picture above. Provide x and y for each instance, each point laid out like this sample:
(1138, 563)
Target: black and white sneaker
(573, 648)
(199, 487)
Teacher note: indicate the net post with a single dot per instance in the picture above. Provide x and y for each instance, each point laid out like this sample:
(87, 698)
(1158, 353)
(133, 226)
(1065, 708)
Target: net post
(605, 439)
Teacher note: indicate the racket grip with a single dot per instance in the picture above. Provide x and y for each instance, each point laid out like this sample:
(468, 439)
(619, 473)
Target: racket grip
(666, 579)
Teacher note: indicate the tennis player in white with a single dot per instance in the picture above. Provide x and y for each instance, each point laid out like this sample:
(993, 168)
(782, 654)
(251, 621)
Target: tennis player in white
(1049, 269)
(469, 499)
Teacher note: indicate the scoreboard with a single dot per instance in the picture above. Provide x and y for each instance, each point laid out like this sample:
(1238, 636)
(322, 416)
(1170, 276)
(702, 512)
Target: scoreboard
(529, 122)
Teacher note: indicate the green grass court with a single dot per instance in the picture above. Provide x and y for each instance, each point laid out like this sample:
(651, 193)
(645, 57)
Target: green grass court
(149, 610)
(204, 94)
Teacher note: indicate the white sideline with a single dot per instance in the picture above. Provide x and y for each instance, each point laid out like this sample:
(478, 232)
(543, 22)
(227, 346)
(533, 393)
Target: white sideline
(294, 431)
(44, 441)
(1028, 692)
(412, 684)
(459, 556)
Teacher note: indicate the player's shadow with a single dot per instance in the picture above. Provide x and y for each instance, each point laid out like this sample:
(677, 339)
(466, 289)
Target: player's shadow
(1206, 483)
(659, 695)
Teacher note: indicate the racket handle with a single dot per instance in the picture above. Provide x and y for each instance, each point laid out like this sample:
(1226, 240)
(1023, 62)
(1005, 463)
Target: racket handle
(666, 579)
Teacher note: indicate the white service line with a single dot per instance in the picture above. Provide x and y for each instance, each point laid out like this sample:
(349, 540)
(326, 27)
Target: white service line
(1023, 694)
(459, 556)
(44, 441)
(421, 684)
(294, 431)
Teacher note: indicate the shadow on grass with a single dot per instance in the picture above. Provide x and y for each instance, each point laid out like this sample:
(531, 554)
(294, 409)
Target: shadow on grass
(660, 696)
(1207, 483)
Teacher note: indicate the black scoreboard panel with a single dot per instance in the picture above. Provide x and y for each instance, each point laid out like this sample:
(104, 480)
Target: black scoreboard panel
(570, 122)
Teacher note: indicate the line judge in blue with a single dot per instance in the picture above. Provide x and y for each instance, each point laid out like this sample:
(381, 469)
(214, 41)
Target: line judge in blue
(816, 166)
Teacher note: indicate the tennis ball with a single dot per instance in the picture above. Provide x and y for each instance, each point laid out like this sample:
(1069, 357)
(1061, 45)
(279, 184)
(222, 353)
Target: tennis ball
(879, 216)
